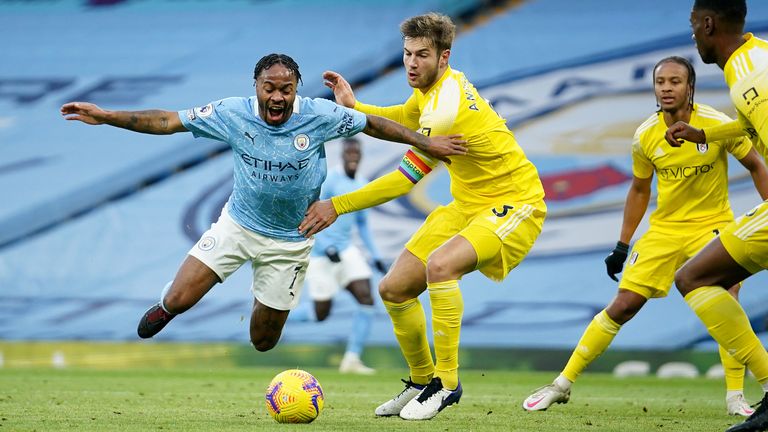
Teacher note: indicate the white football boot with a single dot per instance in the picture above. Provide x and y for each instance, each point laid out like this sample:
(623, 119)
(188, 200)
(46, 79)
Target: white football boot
(433, 399)
(351, 363)
(545, 396)
(393, 406)
(737, 405)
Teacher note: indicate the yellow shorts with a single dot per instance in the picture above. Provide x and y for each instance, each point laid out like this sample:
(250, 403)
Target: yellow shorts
(501, 234)
(651, 266)
(746, 239)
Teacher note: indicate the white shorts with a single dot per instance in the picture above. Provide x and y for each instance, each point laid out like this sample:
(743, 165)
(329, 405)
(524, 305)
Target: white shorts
(278, 266)
(326, 278)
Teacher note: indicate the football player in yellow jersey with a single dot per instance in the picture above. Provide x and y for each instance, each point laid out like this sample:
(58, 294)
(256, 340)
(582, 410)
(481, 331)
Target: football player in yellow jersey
(741, 249)
(496, 215)
(692, 204)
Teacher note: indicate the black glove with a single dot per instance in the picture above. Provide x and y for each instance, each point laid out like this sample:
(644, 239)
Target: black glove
(333, 254)
(614, 262)
(380, 266)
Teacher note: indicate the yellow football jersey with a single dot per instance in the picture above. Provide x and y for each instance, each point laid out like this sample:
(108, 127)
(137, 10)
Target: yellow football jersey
(692, 179)
(746, 74)
(495, 166)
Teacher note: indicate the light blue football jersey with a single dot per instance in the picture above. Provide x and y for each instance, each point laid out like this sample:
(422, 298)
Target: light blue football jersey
(339, 234)
(278, 169)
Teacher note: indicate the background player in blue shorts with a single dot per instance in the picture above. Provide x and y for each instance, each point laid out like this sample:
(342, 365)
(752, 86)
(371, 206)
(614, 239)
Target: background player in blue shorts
(336, 262)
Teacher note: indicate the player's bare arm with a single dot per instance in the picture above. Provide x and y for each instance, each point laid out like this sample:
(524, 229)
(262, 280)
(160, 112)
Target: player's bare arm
(757, 169)
(156, 122)
(638, 196)
(320, 215)
(680, 131)
(439, 147)
(342, 91)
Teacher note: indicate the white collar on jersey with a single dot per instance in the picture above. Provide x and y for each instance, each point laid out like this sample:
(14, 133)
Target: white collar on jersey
(296, 106)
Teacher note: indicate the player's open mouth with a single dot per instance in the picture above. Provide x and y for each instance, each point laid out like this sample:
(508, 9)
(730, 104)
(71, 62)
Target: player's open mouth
(668, 99)
(275, 113)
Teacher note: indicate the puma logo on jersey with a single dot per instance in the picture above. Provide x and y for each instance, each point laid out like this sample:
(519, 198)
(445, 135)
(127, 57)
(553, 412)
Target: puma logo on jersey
(252, 138)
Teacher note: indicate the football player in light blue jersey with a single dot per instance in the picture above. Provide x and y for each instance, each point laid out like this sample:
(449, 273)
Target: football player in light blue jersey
(335, 262)
(277, 141)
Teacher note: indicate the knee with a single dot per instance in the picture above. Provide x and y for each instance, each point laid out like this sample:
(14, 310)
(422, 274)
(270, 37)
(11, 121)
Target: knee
(621, 310)
(366, 300)
(439, 270)
(385, 289)
(390, 292)
(262, 344)
(322, 309)
(401, 289)
(361, 291)
(264, 340)
(176, 302)
(364, 297)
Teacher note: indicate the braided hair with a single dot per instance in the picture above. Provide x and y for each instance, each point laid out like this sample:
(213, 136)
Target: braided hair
(683, 62)
(270, 60)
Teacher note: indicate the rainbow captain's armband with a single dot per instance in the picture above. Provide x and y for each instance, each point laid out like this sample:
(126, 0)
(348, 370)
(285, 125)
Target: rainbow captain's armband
(413, 167)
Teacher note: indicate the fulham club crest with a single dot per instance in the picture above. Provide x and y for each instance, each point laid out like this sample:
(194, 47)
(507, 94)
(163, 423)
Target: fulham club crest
(301, 142)
(703, 147)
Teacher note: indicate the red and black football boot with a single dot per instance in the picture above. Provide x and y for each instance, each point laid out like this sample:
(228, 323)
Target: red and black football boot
(153, 321)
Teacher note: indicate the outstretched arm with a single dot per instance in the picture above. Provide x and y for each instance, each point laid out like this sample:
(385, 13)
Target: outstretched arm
(439, 147)
(406, 114)
(680, 131)
(394, 123)
(155, 122)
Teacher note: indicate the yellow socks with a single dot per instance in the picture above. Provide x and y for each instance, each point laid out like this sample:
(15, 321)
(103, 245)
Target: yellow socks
(447, 311)
(596, 338)
(734, 372)
(729, 326)
(410, 325)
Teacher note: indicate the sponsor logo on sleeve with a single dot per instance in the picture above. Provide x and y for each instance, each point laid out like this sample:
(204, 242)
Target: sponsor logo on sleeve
(750, 95)
(191, 115)
(204, 111)
(346, 124)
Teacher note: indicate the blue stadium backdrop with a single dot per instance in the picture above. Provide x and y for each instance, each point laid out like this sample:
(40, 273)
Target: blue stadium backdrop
(95, 220)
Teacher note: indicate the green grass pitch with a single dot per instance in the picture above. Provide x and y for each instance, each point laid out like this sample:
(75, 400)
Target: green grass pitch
(232, 399)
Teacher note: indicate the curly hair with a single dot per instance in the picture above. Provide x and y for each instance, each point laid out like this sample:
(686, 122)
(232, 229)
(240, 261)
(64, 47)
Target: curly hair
(270, 60)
